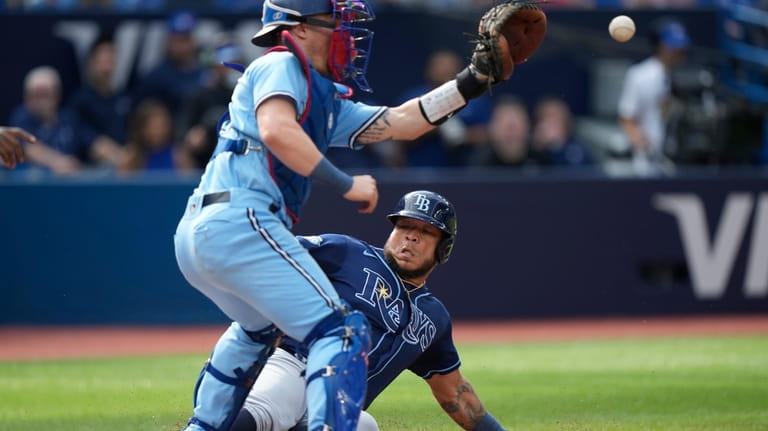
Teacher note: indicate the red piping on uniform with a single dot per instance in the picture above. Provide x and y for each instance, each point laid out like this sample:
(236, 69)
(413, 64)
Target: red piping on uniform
(291, 214)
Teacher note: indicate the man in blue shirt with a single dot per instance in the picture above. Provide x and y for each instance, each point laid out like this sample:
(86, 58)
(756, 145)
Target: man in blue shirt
(62, 144)
(180, 73)
(234, 242)
(410, 328)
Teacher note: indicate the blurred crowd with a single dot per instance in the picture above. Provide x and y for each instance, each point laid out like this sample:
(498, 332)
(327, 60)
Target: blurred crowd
(167, 118)
(255, 5)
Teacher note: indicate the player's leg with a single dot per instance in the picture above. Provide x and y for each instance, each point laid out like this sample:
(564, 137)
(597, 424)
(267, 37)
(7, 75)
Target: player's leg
(251, 255)
(277, 399)
(294, 293)
(367, 422)
(337, 371)
(226, 378)
(241, 351)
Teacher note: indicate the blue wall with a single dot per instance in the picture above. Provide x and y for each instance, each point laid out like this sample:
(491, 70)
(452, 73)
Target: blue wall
(85, 251)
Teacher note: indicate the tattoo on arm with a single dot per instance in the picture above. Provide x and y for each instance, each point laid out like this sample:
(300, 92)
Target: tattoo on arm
(465, 408)
(379, 131)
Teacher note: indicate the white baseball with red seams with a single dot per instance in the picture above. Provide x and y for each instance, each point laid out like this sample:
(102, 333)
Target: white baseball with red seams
(621, 28)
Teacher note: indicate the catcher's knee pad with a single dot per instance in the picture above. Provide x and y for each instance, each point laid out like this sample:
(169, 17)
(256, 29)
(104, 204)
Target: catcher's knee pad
(227, 377)
(344, 377)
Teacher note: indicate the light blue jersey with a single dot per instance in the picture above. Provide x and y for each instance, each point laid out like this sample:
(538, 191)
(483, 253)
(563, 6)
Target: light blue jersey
(234, 244)
(331, 120)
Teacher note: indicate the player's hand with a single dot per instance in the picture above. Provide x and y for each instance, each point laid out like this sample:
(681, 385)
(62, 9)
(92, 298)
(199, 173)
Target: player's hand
(11, 151)
(363, 190)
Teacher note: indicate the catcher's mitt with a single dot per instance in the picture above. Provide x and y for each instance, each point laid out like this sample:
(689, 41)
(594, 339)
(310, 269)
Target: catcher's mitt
(508, 34)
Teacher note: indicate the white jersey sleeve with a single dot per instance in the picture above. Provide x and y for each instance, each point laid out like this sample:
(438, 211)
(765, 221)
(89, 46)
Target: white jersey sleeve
(629, 101)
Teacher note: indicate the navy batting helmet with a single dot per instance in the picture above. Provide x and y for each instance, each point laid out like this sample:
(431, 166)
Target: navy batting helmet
(431, 208)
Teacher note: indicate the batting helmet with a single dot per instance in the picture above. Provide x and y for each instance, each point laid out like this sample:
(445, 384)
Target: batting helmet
(431, 208)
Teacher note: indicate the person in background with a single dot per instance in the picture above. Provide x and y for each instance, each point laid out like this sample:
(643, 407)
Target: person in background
(203, 109)
(180, 73)
(647, 94)
(99, 106)
(509, 133)
(150, 139)
(453, 142)
(553, 143)
(61, 143)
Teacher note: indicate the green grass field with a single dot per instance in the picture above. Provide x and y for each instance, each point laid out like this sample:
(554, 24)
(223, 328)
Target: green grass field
(691, 384)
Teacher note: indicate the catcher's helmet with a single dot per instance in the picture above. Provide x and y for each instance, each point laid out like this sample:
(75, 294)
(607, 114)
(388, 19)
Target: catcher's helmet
(350, 44)
(431, 208)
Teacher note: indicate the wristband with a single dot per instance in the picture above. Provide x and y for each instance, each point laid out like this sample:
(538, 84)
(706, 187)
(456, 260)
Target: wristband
(469, 86)
(488, 423)
(441, 103)
(331, 175)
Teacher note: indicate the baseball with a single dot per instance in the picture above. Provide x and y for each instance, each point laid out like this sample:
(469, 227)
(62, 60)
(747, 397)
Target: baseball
(621, 28)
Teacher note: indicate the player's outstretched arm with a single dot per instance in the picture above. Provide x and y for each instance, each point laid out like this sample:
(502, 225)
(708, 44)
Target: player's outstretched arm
(508, 34)
(459, 400)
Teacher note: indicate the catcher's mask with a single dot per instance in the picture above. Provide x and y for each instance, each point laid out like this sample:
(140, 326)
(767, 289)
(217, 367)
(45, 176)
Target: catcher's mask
(350, 45)
(431, 208)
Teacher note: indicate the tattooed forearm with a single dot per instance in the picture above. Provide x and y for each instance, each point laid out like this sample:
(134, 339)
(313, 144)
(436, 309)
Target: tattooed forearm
(465, 408)
(379, 131)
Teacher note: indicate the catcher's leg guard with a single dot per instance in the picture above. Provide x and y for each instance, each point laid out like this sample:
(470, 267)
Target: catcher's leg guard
(336, 371)
(228, 375)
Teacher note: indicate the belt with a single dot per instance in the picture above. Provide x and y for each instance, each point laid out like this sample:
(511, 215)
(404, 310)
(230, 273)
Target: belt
(216, 198)
(226, 196)
(298, 353)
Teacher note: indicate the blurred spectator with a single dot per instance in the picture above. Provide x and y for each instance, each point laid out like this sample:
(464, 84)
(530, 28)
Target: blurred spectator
(150, 139)
(238, 5)
(509, 136)
(138, 5)
(43, 4)
(180, 73)
(99, 106)
(61, 141)
(646, 96)
(553, 141)
(203, 109)
(659, 4)
(453, 142)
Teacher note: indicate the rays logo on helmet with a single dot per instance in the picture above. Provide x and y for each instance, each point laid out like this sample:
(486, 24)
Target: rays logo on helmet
(422, 203)
(277, 15)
